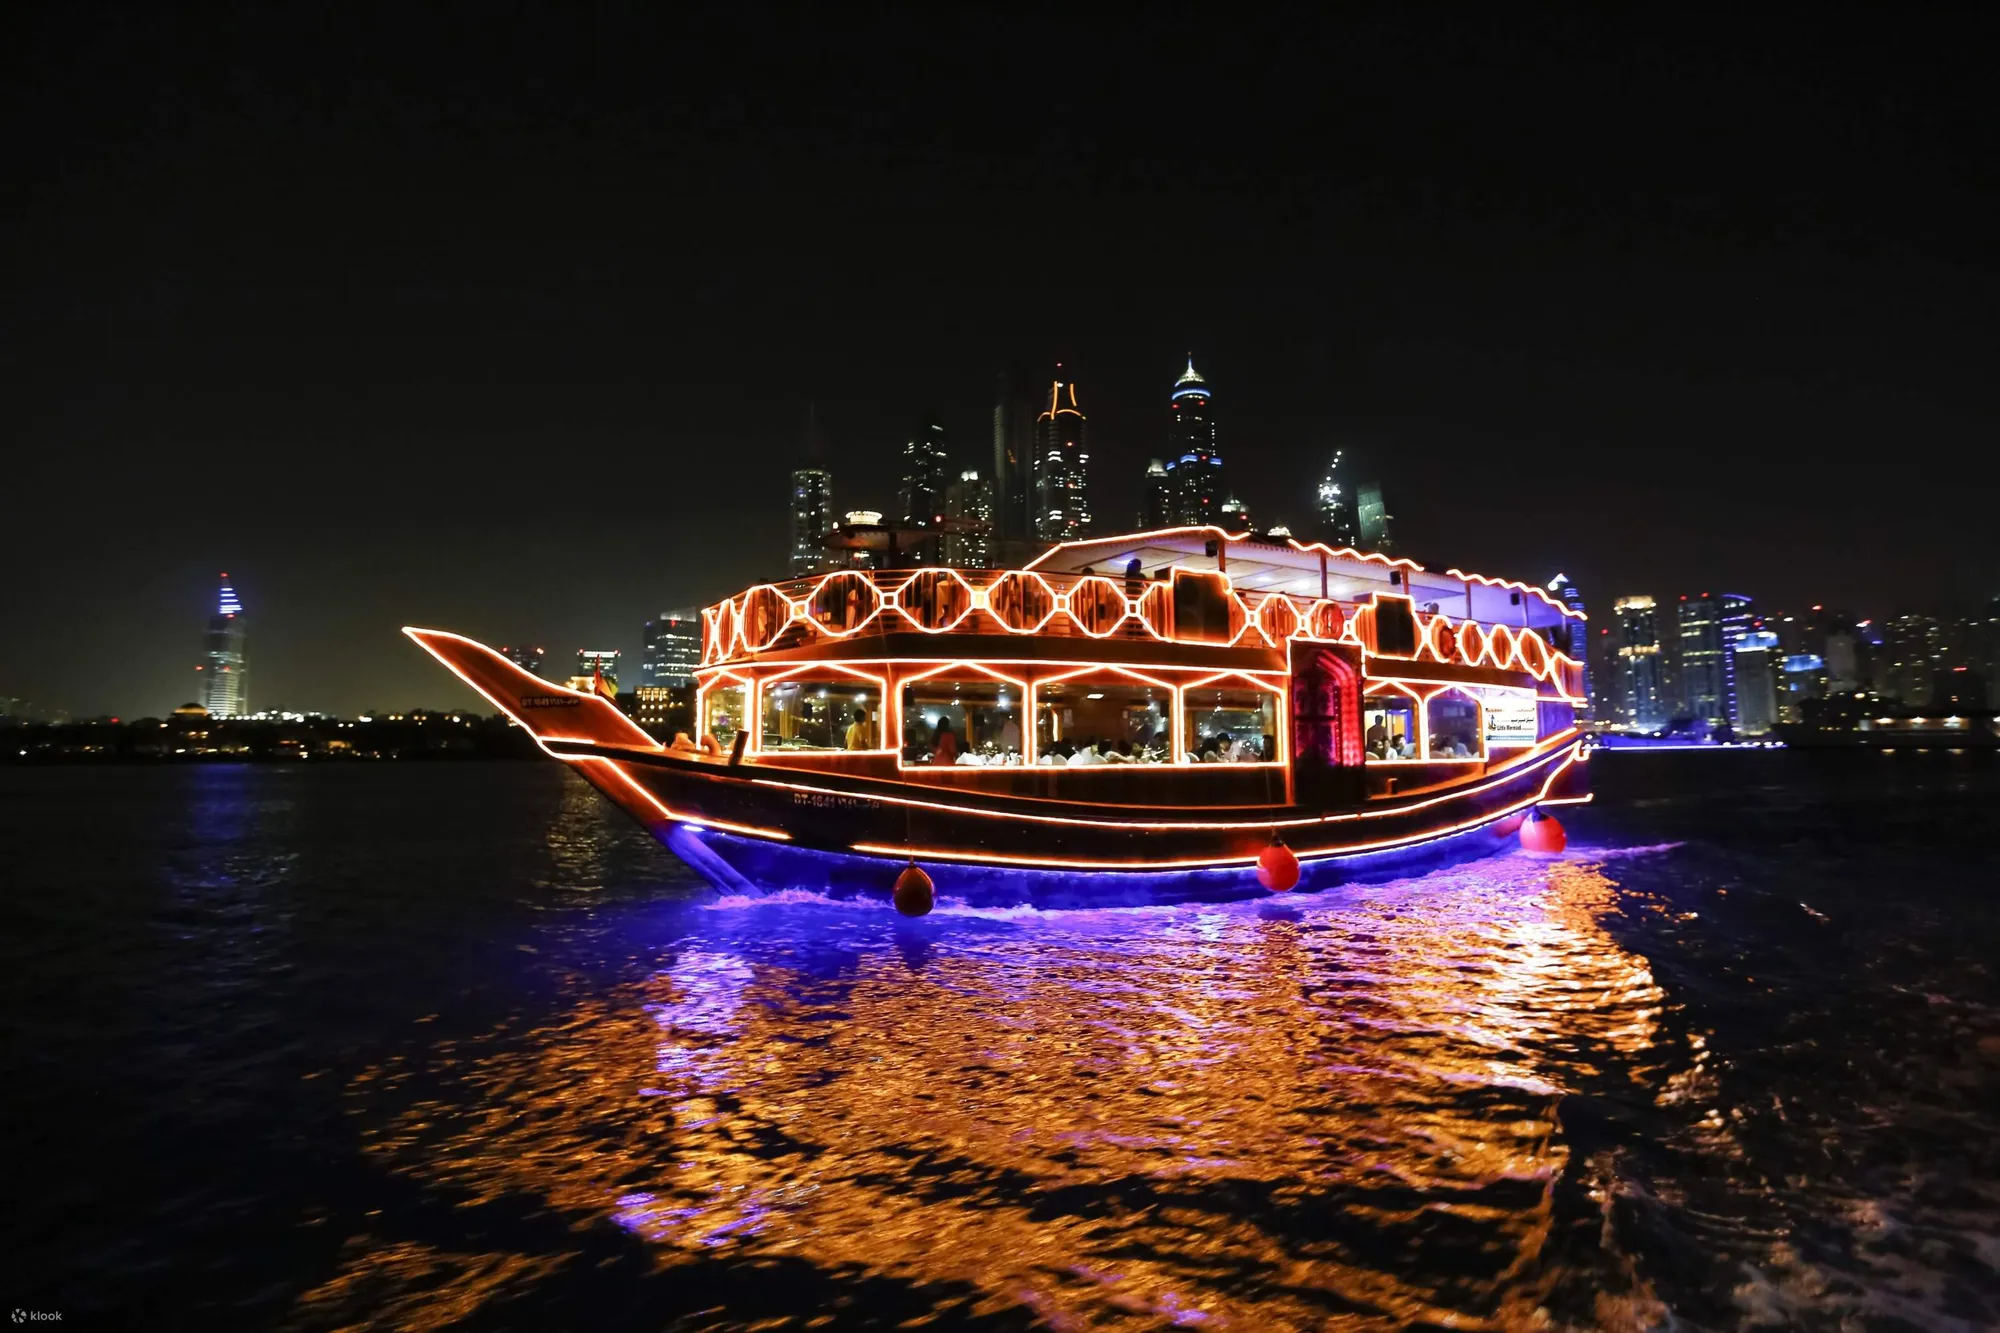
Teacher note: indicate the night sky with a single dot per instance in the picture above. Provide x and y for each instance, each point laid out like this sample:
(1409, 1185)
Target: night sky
(509, 325)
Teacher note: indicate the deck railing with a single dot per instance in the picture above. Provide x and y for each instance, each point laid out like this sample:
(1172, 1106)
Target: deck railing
(840, 605)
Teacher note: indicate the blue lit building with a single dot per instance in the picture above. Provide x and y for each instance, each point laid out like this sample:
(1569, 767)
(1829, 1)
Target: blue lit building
(1756, 656)
(225, 675)
(1193, 463)
(1576, 640)
(1710, 625)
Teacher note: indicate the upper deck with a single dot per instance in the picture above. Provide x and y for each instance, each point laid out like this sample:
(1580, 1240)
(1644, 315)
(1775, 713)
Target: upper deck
(1219, 599)
(1145, 653)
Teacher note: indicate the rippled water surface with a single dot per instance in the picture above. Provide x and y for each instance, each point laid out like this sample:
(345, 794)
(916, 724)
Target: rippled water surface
(452, 1045)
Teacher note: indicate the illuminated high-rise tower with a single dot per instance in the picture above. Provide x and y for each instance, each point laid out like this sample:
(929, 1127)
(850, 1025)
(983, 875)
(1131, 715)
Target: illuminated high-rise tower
(1196, 467)
(1062, 464)
(924, 479)
(1576, 639)
(1642, 669)
(1335, 505)
(968, 503)
(812, 519)
(672, 649)
(1372, 519)
(1156, 504)
(812, 506)
(225, 678)
(1709, 627)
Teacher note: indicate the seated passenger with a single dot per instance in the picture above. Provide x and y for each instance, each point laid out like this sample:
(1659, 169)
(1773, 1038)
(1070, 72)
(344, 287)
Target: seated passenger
(1086, 756)
(946, 749)
(1377, 739)
(1235, 751)
(860, 732)
(1120, 753)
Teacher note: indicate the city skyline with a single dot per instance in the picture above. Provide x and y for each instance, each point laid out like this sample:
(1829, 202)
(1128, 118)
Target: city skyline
(1670, 347)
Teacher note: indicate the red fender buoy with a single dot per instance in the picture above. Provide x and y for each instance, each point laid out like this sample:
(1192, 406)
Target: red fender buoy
(914, 893)
(1277, 867)
(1542, 833)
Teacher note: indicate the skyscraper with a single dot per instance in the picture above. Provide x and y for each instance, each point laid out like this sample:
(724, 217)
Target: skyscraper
(1642, 701)
(1156, 500)
(968, 538)
(1335, 506)
(1235, 515)
(1709, 627)
(527, 658)
(225, 678)
(1191, 455)
(1756, 659)
(812, 505)
(812, 519)
(592, 663)
(1014, 493)
(1576, 639)
(1916, 650)
(1372, 519)
(921, 493)
(672, 649)
(1062, 462)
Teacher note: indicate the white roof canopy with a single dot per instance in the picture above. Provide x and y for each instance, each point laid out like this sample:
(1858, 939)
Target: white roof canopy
(1257, 564)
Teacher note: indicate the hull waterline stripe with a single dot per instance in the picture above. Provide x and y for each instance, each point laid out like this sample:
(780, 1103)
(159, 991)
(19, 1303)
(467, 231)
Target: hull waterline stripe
(1507, 774)
(1328, 854)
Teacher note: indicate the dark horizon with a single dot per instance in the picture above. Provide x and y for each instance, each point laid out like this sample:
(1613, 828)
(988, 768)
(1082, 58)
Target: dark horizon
(511, 328)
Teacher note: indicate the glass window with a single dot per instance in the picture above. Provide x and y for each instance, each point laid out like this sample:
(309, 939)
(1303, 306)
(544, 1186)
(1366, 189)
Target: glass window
(1452, 720)
(1232, 724)
(1389, 726)
(973, 720)
(723, 711)
(828, 713)
(1113, 721)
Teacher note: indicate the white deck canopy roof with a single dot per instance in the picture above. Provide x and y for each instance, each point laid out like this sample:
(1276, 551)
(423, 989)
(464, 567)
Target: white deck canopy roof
(1264, 564)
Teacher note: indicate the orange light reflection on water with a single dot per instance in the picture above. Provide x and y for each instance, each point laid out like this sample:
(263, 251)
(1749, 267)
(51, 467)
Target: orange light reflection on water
(1198, 1116)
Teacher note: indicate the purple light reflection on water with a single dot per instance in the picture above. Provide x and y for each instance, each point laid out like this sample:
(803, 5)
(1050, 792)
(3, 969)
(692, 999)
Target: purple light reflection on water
(1584, 1086)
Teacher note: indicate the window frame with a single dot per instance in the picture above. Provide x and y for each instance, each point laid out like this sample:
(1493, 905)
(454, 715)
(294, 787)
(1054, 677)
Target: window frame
(723, 680)
(969, 669)
(1032, 733)
(1479, 726)
(879, 681)
(1375, 688)
(1281, 740)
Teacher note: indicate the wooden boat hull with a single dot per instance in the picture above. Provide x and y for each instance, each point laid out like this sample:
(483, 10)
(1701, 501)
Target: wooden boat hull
(768, 828)
(759, 826)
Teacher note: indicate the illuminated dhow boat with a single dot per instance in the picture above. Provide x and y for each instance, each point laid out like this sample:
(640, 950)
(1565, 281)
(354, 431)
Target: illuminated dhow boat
(1132, 718)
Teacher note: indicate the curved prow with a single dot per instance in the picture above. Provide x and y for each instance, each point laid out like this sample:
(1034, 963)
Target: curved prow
(550, 713)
